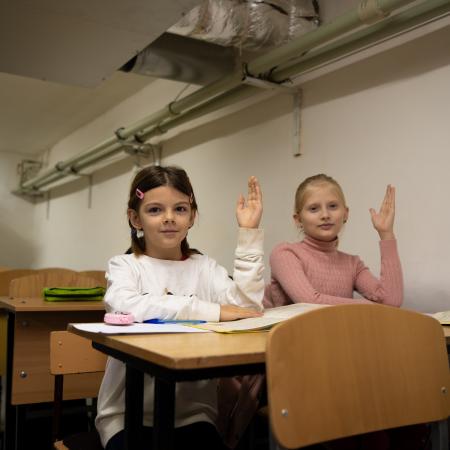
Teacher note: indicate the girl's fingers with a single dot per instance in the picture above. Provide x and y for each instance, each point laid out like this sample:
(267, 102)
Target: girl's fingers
(240, 202)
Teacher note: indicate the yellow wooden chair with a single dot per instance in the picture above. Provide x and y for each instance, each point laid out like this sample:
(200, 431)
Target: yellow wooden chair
(71, 354)
(32, 285)
(99, 275)
(351, 369)
(6, 276)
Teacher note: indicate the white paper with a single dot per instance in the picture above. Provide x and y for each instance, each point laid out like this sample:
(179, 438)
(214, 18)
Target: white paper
(135, 328)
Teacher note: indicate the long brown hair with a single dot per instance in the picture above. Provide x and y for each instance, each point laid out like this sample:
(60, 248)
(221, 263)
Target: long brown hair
(153, 177)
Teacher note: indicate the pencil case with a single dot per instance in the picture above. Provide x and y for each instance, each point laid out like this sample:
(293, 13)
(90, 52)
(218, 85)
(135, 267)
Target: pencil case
(69, 294)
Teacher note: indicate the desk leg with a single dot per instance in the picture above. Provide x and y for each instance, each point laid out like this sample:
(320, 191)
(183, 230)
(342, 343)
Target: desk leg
(9, 437)
(134, 406)
(164, 414)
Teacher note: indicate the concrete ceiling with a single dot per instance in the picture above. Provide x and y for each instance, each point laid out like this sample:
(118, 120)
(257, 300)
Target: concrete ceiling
(59, 62)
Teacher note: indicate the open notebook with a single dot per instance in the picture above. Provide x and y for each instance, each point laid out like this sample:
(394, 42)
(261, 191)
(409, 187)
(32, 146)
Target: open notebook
(271, 317)
(443, 317)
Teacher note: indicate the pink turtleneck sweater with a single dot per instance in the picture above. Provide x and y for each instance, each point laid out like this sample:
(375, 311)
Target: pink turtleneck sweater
(313, 271)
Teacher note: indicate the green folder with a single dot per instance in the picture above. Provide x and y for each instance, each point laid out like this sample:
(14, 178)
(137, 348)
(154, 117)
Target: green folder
(69, 294)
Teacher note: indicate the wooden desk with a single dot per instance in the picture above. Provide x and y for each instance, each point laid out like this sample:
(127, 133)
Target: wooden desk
(447, 333)
(28, 378)
(171, 358)
(178, 357)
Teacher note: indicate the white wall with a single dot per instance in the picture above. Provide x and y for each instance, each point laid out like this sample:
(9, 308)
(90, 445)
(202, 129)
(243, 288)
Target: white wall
(17, 227)
(382, 120)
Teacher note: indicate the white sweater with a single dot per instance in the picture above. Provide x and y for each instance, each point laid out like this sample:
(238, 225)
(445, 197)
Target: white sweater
(197, 286)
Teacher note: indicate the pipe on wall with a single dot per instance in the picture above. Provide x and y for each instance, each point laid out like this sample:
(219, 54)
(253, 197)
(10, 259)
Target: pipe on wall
(281, 63)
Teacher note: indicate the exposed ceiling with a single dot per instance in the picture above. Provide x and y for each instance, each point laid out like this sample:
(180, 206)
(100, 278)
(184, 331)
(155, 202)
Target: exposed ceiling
(59, 62)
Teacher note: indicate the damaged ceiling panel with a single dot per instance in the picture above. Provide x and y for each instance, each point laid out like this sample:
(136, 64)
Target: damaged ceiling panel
(249, 25)
(208, 42)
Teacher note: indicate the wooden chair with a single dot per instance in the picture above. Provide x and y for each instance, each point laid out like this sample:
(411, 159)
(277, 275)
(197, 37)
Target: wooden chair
(6, 276)
(352, 369)
(60, 270)
(32, 285)
(71, 354)
(99, 275)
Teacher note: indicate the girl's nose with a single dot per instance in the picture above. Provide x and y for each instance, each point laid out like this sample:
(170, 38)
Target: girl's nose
(169, 216)
(325, 214)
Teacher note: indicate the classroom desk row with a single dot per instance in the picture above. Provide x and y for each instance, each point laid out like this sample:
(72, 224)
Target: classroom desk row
(28, 379)
(170, 358)
(178, 357)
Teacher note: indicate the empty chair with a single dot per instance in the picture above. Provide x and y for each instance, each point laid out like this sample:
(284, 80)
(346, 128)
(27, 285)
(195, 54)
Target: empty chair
(32, 285)
(71, 354)
(6, 276)
(99, 275)
(351, 369)
(60, 270)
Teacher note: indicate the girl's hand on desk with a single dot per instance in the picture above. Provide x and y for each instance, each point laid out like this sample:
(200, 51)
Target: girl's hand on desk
(230, 312)
(248, 213)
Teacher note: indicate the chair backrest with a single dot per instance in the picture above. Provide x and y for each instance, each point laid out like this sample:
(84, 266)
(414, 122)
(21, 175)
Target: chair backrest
(32, 285)
(70, 354)
(351, 369)
(55, 270)
(99, 275)
(6, 276)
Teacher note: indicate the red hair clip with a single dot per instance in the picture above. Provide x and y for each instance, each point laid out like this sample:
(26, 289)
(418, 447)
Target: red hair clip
(139, 193)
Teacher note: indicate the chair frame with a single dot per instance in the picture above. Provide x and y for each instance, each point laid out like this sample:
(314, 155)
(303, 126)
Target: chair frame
(70, 354)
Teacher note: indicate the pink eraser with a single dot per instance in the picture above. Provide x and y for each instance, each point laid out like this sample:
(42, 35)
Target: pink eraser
(119, 318)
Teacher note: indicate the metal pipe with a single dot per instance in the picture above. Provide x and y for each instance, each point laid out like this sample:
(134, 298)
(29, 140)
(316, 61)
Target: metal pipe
(414, 16)
(60, 167)
(324, 33)
(403, 21)
(221, 93)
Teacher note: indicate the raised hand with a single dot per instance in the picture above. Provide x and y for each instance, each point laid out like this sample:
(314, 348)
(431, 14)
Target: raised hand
(248, 213)
(383, 221)
(231, 312)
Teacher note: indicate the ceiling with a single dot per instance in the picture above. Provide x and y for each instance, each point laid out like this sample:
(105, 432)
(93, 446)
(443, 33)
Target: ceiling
(59, 62)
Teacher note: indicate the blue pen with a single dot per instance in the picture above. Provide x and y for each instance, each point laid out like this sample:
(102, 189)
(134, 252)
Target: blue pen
(173, 321)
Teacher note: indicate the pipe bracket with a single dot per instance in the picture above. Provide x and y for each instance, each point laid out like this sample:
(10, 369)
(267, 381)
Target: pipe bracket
(171, 110)
(369, 12)
(266, 84)
(119, 134)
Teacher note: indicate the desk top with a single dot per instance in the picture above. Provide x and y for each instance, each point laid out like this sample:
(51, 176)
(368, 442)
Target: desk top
(187, 351)
(37, 304)
(192, 351)
(447, 333)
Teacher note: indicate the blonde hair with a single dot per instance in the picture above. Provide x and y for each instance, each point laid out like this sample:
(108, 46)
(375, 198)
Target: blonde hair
(315, 180)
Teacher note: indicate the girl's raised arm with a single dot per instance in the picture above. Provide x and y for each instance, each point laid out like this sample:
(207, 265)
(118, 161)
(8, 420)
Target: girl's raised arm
(383, 221)
(248, 213)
